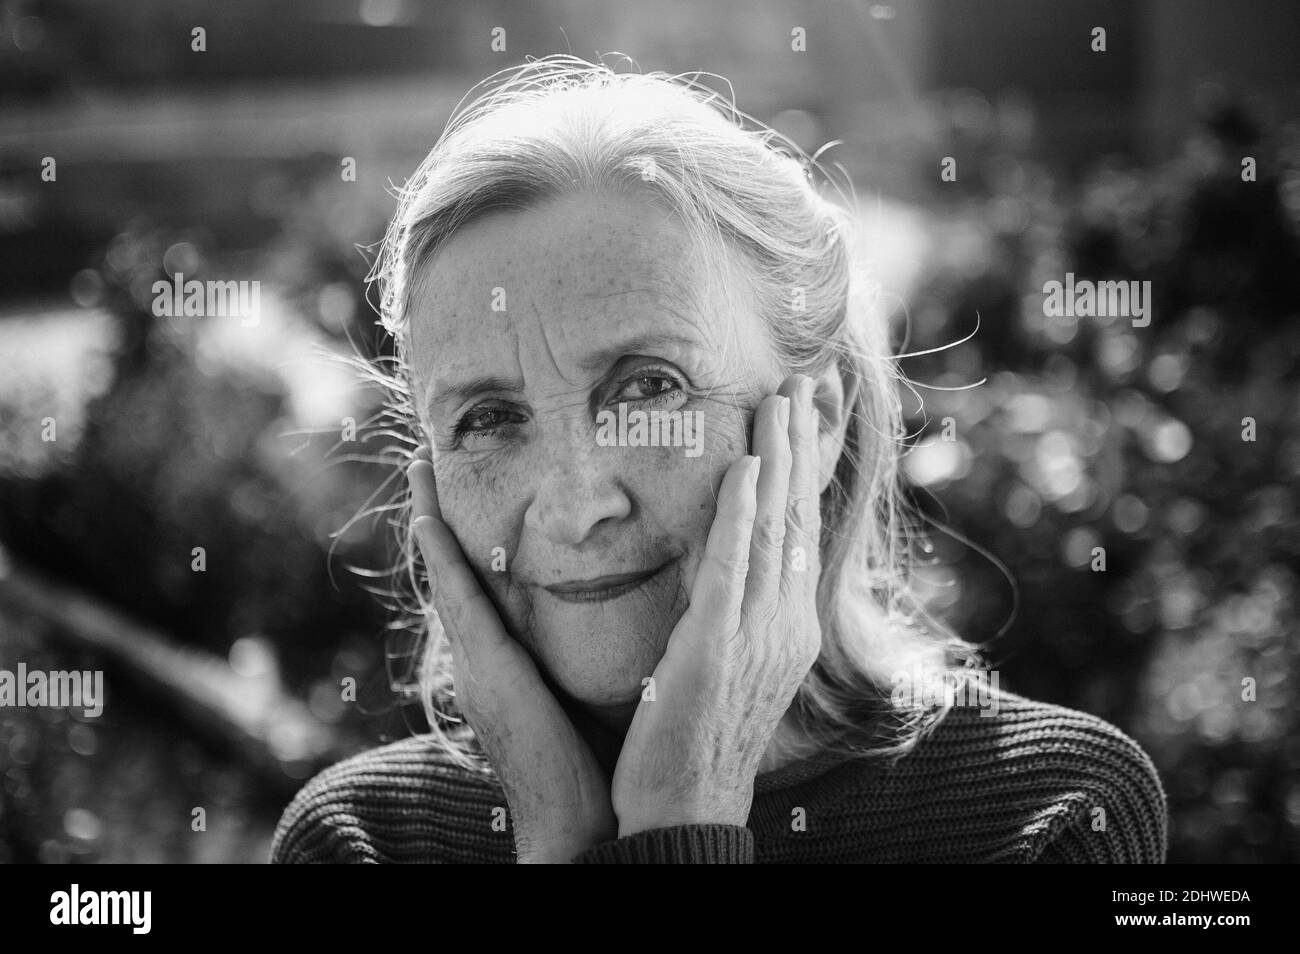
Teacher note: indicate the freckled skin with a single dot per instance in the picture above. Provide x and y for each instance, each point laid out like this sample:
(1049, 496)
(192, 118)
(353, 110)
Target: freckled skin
(582, 273)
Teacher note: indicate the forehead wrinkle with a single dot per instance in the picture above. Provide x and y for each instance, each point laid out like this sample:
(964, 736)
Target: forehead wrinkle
(669, 295)
(657, 334)
(594, 335)
(546, 345)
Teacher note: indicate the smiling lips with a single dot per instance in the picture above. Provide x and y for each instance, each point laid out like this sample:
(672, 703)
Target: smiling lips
(602, 587)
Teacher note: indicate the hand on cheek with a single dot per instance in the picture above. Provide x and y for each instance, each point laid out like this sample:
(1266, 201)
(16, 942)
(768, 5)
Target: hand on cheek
(557, 793)
(743, 647)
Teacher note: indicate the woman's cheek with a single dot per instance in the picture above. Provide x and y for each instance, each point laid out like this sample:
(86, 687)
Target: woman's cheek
(682, 497)
(471, 493)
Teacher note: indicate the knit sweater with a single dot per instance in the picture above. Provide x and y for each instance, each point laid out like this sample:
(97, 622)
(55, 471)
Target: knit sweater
(1032, 783)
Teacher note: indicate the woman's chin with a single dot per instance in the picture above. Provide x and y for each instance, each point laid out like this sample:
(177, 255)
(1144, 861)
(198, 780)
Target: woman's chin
(611, 703)
(597, 671)
(612, 697)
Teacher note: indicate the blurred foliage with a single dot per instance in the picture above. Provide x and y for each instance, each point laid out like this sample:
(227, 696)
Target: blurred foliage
(1093, 433)
(121, 787)
(185, 450)
(197, 433)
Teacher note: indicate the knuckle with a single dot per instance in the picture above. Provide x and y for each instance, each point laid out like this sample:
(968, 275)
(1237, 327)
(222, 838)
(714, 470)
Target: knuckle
(731, 566)
(780, 456)
(768, 534)
(802, 515)
(456, 610)
(762, 617)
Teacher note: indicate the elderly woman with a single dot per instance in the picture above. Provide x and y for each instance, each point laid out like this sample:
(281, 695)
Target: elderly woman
(655, 500)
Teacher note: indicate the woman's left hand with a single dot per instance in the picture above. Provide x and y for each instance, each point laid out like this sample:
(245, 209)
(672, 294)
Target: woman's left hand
(744, 645)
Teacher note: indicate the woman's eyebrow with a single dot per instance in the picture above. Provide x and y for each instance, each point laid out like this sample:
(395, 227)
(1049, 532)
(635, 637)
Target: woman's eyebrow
(639, 344)
(463, 390)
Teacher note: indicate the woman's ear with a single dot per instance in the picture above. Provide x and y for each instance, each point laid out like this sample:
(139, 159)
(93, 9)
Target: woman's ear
(835, 392)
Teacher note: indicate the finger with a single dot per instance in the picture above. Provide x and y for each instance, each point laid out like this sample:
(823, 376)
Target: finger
(460, 601)
(424, 490)
(772, 444)
(719, 588)
(463, 607)
(494, 674)
(800, 557)
(499, 689)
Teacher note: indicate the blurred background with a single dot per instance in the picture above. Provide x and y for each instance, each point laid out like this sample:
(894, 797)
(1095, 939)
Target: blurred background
(230, 163)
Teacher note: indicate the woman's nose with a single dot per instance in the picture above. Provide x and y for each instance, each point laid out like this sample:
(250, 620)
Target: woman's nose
(576, 487)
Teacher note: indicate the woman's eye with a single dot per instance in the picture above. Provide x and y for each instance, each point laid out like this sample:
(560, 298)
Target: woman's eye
(492, 420)
(485, 421)
(648, 387)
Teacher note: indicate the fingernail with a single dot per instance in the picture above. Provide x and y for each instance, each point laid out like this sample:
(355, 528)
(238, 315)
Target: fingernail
(753, 470)
(783, 412)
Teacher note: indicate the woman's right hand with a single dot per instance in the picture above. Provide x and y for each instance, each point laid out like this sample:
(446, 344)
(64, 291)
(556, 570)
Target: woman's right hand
(558, 793)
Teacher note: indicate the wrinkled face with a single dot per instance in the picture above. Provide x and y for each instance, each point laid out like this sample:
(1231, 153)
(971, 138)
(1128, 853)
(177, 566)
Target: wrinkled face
(539, 338)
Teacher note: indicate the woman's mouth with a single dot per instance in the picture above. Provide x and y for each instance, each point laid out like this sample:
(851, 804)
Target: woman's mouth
(602, 588)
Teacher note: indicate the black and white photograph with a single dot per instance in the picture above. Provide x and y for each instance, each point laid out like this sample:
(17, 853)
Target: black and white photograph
(734, 432)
